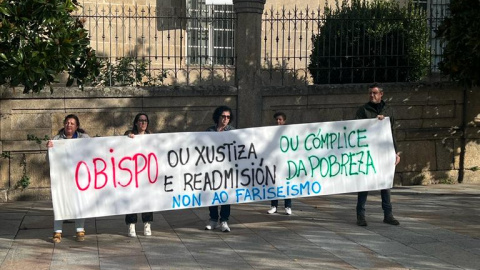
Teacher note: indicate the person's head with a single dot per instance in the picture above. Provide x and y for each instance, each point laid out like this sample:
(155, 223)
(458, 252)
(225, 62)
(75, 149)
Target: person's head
(71, 124)
(140, 124)
(222, 116)
(375, 92)
(280, 118)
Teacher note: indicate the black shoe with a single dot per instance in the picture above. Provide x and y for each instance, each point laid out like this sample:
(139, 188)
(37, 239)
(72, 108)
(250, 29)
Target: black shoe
(391, 220)
(361, 221)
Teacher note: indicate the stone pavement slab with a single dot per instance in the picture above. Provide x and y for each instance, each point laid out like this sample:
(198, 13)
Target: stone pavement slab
(440, 229)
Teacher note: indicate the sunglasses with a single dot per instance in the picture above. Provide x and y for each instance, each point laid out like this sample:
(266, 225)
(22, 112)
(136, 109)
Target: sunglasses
(225, 116)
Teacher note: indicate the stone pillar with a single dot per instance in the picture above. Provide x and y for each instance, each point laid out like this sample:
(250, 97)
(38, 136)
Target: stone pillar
(248, 43)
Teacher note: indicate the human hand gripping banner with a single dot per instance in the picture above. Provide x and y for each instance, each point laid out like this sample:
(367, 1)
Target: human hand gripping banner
(119, 175)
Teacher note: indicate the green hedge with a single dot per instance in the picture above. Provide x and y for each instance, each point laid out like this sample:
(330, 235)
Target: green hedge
(461, 33)
(365, 42)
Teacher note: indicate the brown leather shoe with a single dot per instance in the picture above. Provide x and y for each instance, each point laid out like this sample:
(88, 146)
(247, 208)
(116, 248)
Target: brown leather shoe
(57, 238)
(80, 236)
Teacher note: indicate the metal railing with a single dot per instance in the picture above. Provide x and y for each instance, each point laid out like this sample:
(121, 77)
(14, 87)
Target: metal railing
(195, 45)
(162, 46)
(288, 43)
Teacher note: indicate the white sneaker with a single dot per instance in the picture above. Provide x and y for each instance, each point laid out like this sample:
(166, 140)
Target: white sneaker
(225, 227)
(212, 225)
(147, 231)
(131, 230)
(272, 210)
(288, 210)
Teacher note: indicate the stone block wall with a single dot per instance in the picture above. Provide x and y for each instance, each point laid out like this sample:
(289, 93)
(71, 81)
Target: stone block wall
(428, 127)
(102, 112)
(428, 123)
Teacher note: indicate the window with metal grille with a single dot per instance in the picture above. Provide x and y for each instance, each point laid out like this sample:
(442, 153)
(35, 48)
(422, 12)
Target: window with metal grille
(436, 10)
(421, 3)
(210, 33)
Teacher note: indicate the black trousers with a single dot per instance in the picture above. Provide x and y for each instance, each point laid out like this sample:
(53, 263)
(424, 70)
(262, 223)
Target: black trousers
(386, 204)
(288, 203)
(224, 212)
(132, 218)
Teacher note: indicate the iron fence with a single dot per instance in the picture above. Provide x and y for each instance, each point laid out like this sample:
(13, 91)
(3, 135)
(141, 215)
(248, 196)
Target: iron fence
(145, 45)
(357, 55)
(195, 45)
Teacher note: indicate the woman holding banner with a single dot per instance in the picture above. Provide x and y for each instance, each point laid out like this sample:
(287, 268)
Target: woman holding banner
(71, 130)
(222, 116)
(139, 127)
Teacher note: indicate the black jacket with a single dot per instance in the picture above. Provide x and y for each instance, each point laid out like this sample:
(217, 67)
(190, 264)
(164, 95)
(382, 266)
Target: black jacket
(372, 110)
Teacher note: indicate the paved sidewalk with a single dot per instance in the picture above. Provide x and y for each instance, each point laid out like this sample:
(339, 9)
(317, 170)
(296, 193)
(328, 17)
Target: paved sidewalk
(439, 229)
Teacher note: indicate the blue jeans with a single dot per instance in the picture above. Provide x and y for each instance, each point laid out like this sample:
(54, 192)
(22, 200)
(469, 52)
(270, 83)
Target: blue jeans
(386, 204)
(79, 225)
(224, 212)
(288, 203)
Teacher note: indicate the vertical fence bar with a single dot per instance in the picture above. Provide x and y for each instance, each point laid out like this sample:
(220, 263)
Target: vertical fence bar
(115, 34)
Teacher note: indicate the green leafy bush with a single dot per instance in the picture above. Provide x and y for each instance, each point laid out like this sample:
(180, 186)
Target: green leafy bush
(40, 39)
(461, 32)
(370, 41)
(126, 71)
(24, 182)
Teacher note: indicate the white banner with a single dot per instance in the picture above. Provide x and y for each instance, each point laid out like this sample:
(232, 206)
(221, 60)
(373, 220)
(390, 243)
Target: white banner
(119, 175)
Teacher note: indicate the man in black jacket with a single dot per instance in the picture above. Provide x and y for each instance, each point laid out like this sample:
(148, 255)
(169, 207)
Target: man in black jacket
(377, 108)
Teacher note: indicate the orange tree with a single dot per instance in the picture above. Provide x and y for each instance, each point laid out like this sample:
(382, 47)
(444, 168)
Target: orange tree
(40, 39)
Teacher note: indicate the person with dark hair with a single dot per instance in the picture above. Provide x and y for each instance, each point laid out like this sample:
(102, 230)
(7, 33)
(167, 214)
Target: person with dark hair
(222, 117)
(139, 127)
(222, 121)
(281, 119)
(71, 130)
(377, 108)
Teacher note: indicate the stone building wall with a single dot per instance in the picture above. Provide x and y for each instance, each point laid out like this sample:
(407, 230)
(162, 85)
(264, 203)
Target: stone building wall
(428, 123)
(102, 112)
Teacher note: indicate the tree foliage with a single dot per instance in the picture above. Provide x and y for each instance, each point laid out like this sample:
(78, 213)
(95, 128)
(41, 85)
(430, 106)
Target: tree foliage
(129, 71)
(370, 41)
(40, 39)
(461, 33)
